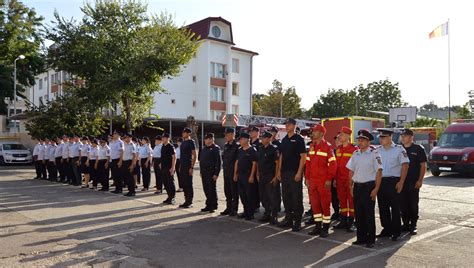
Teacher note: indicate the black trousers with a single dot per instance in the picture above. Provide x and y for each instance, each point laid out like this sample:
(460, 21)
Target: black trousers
(292, 193)
(128, 175)
(231, 190)
(59, 167)
(255, 194)
(245, 194)
(103, 174)
(334, 199)
(52, 170)
(38, 169)
(269, 195)
(158, 178)
(76, 174)
(187, 184)
(117, 175)
(389, 206)
(409, 199)
(364, 212)
(168, 183)
(93, 173)
(66, 170)
(178, 174)
(42, 170)
(146, 173)
(209, 186)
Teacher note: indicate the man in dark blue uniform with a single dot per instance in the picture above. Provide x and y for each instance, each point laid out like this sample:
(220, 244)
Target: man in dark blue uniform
(244, 174)
(275, 141)
(210, 166)
(410, 195)
(266, 176)
(292, 161)
(229, 156)
(187, 161)
(254, 189)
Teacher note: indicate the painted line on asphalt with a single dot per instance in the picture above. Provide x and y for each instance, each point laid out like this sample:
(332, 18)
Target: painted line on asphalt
(398, 245)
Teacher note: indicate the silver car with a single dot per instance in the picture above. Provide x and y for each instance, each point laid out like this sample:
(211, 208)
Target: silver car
(14, 153)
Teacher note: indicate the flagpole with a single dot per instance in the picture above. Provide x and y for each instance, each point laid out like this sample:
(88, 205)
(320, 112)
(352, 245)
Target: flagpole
(449, 72)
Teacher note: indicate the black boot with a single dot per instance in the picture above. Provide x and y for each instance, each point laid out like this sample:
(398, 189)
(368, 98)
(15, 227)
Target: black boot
(317, 229)
(325, 230)
(310, 221)
(342, 224)
(285, 223)
(350, 225)
(296, 226)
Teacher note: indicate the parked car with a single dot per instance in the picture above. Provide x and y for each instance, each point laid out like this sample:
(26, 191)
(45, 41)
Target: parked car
(14, 153)
(454, 151)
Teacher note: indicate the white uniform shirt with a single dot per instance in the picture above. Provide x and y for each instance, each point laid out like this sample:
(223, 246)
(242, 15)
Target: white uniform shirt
(85, 149)
(41, 149)
(93, 153)
(59, 150)
(75, 149)
(52, 152)
(178, 153)
(65, 153)
(104, 152)
(46, 152)
(36, 149)
(144, 151)
(128, 151)
(116, 148)
(157, 151)
(365, 165)
(392, 160)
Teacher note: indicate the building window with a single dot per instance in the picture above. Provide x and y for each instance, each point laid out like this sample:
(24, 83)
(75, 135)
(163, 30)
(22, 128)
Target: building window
(56, 78)
(173, 101)
(194, 78)
(235, 89)
(194, 103)
(235, 66)
(217, 115)
(40, 84)
(217, 94)
(235, 109)
(217, 70)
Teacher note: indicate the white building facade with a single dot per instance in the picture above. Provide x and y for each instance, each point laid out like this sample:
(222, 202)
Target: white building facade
(217, 81)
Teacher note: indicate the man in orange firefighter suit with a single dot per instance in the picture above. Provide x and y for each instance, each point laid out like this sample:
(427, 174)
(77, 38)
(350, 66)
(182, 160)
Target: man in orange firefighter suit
(320, 169)
(343, 154)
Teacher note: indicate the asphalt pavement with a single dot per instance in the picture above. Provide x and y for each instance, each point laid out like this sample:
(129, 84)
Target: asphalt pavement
(57, 225)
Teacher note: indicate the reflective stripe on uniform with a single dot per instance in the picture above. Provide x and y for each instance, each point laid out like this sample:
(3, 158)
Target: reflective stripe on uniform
(326, 219)
(318, 217)
(321, 153)
(351, 210)
(311, 152)
(347, 155)
(307, 158)
(339, 155)
(344, 209)
(332, 159)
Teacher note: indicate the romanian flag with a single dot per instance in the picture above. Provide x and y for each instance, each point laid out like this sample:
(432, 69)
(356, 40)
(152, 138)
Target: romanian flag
(440, 30)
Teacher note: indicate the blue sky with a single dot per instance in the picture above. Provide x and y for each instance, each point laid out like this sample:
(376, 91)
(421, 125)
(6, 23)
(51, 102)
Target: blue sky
(317, 45)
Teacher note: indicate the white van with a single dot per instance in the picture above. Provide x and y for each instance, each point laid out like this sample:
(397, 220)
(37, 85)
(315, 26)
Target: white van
(14, 153)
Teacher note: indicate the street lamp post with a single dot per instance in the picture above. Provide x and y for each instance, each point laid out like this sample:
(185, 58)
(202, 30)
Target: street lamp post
(21, 57)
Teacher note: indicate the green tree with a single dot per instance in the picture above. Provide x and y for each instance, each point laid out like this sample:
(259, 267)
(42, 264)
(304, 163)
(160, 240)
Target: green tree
(378, 96)
(70, 113)
(278, 102)
(20, 34)
(336, 102)
(122, 53)
(464, 112)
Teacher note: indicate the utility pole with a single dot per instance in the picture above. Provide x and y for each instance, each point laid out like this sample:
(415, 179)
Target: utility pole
(21, 57)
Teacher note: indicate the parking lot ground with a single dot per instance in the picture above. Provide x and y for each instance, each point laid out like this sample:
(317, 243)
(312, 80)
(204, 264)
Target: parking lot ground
(51, 224)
